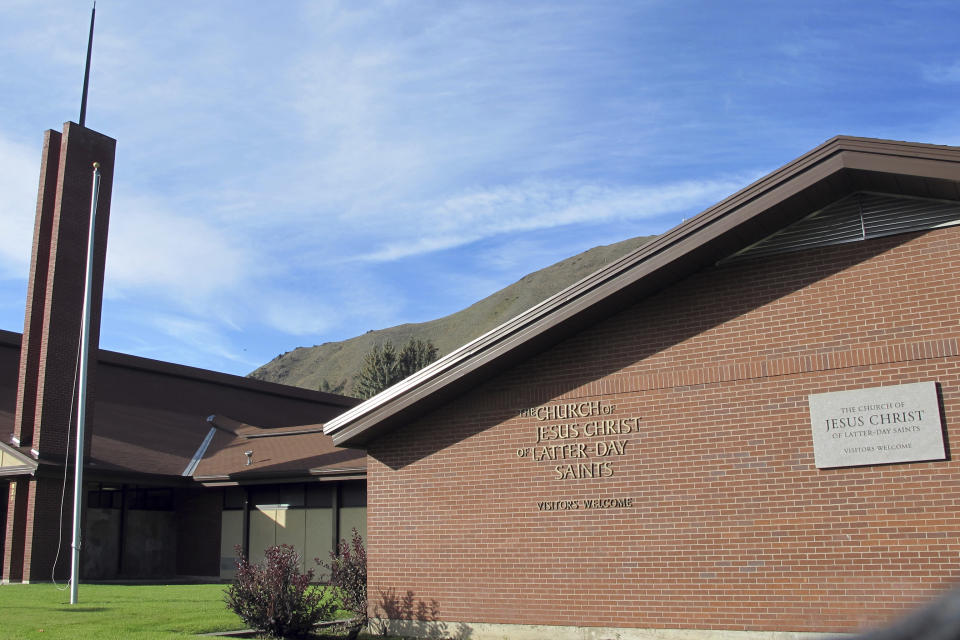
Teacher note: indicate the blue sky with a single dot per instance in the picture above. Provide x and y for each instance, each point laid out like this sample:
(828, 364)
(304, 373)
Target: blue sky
(298, 172)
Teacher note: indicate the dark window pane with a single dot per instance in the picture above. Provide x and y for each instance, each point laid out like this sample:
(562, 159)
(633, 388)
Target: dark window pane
(354, 494)
(264, 496)
(159, 500)
(291, 494)
(320, 495)
(233, 497)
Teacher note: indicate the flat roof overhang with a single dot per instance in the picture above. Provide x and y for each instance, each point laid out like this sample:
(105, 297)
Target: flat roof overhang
(837, 168)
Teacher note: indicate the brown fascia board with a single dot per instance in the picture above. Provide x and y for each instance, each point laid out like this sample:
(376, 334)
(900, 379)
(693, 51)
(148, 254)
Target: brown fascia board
(204, 375)
(248, 431)
(223, 379)
(93, 472)
(153, 480)
(225, 481)
(262, 477)
(837, 167)
(231, 426)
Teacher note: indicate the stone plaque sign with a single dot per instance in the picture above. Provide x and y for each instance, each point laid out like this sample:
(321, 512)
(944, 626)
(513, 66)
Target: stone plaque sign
(876, 426)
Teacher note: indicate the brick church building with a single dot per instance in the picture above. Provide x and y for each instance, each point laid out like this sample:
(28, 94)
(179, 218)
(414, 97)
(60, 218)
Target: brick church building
(743, 429)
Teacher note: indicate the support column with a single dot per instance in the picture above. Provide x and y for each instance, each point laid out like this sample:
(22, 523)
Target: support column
(13, 544)
(46, 531)
(4, 497)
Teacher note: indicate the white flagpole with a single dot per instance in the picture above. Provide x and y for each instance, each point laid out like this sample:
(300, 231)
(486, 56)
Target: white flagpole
(82, 390)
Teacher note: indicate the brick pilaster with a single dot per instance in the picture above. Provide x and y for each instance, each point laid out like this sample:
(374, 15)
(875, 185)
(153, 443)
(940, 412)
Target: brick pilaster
(48, 536)
(55, 292)
(13, 546)
(36, 291)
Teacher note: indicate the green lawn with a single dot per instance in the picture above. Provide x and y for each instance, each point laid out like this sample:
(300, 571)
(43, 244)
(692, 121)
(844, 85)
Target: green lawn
(110, 612)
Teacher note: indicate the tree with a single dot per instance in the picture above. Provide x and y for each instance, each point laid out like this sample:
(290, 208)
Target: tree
(332, 388)
(384, 366)
(415, 355)
(381, 368)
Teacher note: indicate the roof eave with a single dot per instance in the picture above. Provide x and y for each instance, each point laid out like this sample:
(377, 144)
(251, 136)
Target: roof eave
(260, 477)
(837, 167)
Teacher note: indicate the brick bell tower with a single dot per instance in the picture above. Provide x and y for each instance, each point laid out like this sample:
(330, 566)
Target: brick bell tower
(38, 535)
(44, 423)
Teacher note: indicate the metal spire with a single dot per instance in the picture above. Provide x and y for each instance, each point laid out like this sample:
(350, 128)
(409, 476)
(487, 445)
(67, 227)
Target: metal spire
(86, 70)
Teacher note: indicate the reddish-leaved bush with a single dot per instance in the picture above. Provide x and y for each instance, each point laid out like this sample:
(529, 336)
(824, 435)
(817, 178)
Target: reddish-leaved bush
(274, 597)
(348, 576)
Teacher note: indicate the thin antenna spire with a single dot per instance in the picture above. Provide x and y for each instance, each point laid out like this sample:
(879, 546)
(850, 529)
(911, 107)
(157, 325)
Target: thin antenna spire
(86, 70)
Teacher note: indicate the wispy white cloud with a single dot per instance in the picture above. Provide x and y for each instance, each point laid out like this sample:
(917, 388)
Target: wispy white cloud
(942, 74)
(296, 314)
(536, 205)
(403, 106)
(174, 255)
(52, 34)
(807, 46)
(18, 201)
(508, 256)
(199, 336)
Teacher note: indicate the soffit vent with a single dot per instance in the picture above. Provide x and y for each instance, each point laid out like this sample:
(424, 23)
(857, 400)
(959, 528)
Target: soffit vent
(859, 216)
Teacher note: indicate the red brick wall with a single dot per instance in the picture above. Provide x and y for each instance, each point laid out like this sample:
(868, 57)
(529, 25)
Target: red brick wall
(731, 524)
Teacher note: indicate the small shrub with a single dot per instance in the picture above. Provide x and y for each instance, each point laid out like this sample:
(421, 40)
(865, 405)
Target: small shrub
(348, 576)
(274, 598)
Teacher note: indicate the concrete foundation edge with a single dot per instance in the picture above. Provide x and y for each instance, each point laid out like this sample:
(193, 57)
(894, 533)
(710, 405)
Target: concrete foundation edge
(491, 631)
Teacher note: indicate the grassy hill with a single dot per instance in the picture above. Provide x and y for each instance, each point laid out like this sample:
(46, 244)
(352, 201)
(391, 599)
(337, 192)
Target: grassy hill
(337, 362)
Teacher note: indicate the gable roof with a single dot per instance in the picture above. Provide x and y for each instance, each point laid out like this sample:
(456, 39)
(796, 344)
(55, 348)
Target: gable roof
(837, 168)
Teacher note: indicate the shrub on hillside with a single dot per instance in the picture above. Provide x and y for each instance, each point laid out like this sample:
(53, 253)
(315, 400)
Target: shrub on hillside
(274, 598)
(348, 576)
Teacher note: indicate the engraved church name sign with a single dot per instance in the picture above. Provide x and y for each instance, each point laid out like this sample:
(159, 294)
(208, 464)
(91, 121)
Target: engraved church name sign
(880, 425)
(580, 441)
